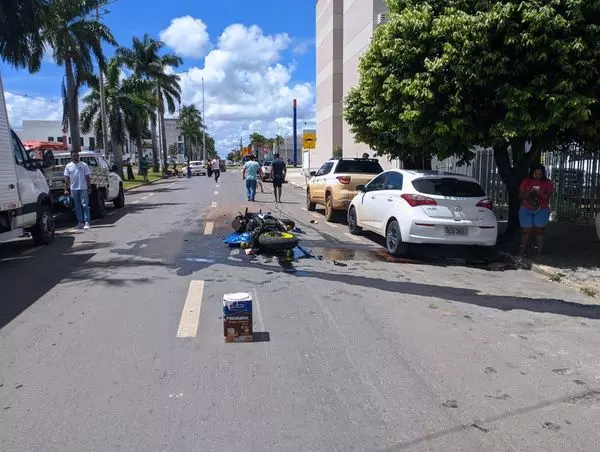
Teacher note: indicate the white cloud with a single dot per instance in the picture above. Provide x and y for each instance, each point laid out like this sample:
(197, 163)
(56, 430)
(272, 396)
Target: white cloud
(248, 88)
(21, 107)
(187, 36)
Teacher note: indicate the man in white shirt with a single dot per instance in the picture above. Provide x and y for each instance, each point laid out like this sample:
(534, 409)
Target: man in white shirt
(77, 185)
(216, 167)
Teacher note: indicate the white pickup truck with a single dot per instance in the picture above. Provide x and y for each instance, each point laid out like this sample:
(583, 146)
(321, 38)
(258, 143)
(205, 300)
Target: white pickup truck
(25, 199)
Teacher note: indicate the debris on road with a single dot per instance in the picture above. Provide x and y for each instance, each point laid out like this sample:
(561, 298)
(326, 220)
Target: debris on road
(450, 404)
(237, 317)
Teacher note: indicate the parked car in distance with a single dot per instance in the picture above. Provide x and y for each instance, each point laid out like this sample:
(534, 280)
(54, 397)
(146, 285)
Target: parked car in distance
(334, 184)
(198, 168)
(424, 207)
(266, 171)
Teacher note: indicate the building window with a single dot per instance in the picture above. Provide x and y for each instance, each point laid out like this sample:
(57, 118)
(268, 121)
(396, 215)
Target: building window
(50, 138)
(59, 139)
(81, 141)
(92, 143)
(179, 138)
(70, 141)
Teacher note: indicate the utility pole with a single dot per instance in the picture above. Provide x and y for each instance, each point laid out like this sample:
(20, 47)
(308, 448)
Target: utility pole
(203, 124)
(102, 102)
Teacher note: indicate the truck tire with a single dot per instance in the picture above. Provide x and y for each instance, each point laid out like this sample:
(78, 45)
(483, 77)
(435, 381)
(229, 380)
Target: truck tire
(275, 241)
(119, 201)
(43, 230)
(310, 206)
(97, 204)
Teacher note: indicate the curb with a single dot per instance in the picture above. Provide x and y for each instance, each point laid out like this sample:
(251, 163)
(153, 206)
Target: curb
(556, 276)
(142, 184)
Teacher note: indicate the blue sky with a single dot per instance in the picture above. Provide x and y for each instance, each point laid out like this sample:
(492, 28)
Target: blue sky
(276, 61)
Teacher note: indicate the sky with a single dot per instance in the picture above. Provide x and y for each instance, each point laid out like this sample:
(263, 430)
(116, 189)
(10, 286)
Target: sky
(255, 57)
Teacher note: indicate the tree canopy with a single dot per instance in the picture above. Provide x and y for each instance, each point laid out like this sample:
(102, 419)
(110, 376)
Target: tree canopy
(444, 76)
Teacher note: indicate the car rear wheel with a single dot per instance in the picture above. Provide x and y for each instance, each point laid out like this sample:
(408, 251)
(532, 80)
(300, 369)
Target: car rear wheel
(310, 206)
(98, 204)
(119, 201)
(393, 240)
(353, 227)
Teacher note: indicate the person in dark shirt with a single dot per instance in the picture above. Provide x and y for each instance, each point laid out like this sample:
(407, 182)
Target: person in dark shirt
(278, 173)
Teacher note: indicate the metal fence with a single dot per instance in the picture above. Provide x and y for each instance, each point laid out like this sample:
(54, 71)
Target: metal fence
(574, 174)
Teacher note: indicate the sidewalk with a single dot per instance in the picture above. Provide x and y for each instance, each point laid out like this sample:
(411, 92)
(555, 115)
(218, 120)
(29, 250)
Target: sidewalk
(296, 178)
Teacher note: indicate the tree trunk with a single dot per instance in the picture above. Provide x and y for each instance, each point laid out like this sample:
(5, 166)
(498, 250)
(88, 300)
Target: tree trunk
(154, 145)
(513, 173)
(140, 152)
(73, 106)
(163, 137)
(117, 154)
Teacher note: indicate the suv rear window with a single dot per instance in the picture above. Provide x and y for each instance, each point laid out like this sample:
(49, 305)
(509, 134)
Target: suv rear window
(358, 167)
(448, 186)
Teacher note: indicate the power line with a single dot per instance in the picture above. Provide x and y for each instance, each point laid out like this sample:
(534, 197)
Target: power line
(27, 96)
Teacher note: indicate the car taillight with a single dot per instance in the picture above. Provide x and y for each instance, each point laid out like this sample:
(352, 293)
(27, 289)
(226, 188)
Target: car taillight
(485, 203)
(419, 200)
(344, 179)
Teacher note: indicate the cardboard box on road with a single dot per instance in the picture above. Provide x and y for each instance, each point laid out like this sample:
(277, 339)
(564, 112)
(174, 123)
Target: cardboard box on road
(237, 317)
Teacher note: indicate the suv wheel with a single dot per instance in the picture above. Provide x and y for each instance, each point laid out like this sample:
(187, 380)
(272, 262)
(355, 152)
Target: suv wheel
(330, 214)
(43, 231)
(310, 206)
(393, 240)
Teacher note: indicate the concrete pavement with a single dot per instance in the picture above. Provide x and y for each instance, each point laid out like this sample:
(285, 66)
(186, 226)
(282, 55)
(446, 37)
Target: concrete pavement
(354, 351)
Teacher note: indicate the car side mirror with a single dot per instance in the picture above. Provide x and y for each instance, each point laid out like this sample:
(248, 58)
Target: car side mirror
(361, 188)
(313, 173)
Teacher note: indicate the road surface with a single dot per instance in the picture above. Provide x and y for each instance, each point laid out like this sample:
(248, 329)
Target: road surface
(111, 340)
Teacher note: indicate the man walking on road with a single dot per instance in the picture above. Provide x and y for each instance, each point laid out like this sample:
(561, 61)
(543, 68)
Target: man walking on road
(251, 173)
(216, 168)
(77, 184)
(278, 173)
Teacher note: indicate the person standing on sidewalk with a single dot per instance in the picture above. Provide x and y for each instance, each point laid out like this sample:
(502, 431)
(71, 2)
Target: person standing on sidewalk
(216, 168)
(278, 173)
(251, 174)
(77, 184)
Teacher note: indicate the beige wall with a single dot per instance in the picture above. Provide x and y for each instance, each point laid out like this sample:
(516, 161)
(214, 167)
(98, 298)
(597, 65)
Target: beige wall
(329, 89)
(344, 31)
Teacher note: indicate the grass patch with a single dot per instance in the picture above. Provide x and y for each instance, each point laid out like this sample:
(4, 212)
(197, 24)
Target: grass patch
(152, 176)
(589, 291)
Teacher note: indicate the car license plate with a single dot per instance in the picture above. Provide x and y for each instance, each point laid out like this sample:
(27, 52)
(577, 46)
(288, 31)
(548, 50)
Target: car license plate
(456, 230)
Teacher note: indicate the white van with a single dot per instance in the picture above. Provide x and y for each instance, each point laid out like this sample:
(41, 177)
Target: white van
(25, 199)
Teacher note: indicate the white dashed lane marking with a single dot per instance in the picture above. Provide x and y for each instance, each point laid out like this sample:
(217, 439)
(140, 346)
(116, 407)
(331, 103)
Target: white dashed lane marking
(190, 316)
(208, 229)
(216, 193)
(213, 204)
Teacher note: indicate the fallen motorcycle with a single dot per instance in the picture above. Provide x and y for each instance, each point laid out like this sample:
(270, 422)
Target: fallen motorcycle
(266, 231)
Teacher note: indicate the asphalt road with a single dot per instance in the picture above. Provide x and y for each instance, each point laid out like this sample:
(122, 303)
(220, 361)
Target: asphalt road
(354, 351)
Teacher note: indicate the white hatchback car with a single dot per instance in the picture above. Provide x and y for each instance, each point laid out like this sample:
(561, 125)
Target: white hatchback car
(420, 206)
(197, 168)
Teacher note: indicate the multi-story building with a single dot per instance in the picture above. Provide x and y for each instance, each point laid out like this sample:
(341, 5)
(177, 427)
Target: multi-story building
(173, 134)
(344, 30)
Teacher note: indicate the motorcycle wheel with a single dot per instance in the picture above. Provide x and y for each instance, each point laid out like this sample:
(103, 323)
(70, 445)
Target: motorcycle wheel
(274, 240)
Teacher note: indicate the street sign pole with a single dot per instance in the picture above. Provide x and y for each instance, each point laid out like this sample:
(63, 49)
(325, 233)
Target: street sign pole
(295, 137)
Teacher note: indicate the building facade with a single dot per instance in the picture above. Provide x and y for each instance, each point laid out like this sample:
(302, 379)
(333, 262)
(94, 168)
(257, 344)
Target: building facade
(344, 29)
(46, 130)
(173, 134)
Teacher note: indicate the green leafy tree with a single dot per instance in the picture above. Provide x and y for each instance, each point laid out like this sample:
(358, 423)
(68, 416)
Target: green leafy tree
(257, 140)
(129, 104)
(191, 127)
(443, 77)
(21, 23)
(234, 155)
(145, 60)
(76, 37)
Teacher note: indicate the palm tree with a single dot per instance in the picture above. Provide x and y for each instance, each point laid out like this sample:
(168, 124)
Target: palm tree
(257, 139)
(129, 104)
(21, 22)
(74, 35)
(144, 60)
(278, 141)
(190, 124)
